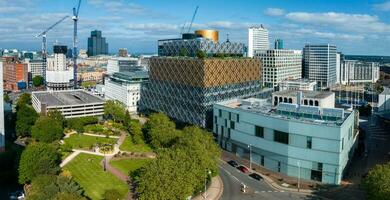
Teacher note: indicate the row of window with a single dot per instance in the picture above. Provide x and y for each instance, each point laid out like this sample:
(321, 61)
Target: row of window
(281, 137)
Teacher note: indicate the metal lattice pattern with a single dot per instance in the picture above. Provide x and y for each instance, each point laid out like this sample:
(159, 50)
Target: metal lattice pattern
(174, 47)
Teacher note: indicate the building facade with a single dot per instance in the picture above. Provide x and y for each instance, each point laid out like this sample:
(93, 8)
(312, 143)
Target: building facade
(185, 88)
(15, 73)
(122, 52)
(126, 88)
(319, 62)
(257, 40)
(384, 100)
(354, 71)
(36, 68)
(323, 99)
(190, 46)
(97, 44)
(279, 65)
(122, 64)
(290, 139)
(59, 76)
(2, 130)
(298, 84)
(279, 44)
(71, 103)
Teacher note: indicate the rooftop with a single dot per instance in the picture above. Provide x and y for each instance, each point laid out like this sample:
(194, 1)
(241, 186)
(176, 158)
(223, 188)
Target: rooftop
(69, 97)
(132, 75)
(306, 94)
(288, 111)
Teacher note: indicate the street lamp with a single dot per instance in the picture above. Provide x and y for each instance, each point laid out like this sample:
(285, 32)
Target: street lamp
(250, 156)
(205, 184)
(299, 173)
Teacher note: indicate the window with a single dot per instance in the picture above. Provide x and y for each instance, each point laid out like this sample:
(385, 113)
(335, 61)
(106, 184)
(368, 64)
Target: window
(215, 120)
(220, 113)
(308, 142)
(319, 167)
(226, 122)
(228, 136)
(278, 166)
(238, 118)
(262, 161)
(281, 137)
(232, 125)
(342, 143)
(216, 129)
(316, 103)
(230, 116)
(259, 131)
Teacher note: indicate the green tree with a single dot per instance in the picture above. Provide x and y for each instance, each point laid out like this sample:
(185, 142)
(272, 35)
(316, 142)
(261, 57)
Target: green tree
(56, 115)
(78, 124)
(7, 99)
(54, 187)
(112, 194)
(183, 52)
(127, 120)
(377, 182)
(160, 131)
(38, 159)
(23, 100)
(25, 119)
(47, 129)
(201, 54)
(37, 81)
(115, 110)
(136, 132)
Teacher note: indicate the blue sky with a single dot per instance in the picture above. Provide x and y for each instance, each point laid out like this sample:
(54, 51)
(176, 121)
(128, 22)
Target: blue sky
(356, 27)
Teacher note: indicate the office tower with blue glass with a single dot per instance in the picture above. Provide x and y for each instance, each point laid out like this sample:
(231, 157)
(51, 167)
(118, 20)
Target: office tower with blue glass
(319, 64)
(279, 44)
(97, 44)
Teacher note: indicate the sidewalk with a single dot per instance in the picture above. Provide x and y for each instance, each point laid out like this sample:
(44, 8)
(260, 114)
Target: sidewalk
(214, 192)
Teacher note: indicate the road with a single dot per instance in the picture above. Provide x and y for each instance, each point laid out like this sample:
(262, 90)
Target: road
(232, 180)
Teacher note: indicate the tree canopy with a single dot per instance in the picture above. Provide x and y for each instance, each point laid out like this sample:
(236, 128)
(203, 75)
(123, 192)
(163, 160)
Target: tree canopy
(377, 182)
(115, 110)
(38, 159)
(55, 188)
(78, 124)
(136, 132)
(47, 129)
(23, 100)
(37, 81)
(25, 119)
(160, 131)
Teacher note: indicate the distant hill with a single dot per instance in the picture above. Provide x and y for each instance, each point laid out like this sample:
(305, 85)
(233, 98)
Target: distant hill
(380, 59)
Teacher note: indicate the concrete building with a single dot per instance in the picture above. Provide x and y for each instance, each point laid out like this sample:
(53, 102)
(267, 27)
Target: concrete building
(298, 84)
(2, 130)
(121, 64)
(319, 64)
(311, 143)
(36, 68)
(97, 44)
(15, 73)
(59, 76)
(126, 88)
(384, 100)
(322, 99)
(71, 103)
(279, 65)
(257, 40)
(354, 71)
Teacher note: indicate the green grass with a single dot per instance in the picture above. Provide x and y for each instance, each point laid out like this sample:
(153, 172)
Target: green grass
(79, 141)
(128, 145)
(128, 165)
(87, 171)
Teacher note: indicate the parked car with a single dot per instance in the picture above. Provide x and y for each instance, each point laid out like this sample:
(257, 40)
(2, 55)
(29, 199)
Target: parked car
(256, 176)
(243, 169)
(233, 163)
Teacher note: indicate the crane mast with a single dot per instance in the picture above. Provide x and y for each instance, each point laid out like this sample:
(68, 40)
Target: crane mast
(75, 42)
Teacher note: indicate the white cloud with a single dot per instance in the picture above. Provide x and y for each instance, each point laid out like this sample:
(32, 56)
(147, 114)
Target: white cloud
(361, 23)
(385, 6)
(11, 9)
(274, 12)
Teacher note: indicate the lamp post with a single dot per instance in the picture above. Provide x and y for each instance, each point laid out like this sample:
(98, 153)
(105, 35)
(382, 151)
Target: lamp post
(205, 184)
(299, 173)
(250, 156)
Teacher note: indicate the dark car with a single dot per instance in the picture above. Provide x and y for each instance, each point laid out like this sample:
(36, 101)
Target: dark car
(243, 169)
(233, 163)
(256, 176)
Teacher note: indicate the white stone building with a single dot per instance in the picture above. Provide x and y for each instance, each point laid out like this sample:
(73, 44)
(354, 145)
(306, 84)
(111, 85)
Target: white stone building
(257, 40)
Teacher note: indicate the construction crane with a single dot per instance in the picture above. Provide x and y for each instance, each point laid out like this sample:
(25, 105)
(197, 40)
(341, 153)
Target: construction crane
(43, 34)
(75, 18)
(192, 20)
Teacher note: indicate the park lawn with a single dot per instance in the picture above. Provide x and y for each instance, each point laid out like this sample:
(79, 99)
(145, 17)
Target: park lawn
(128, 165)
(128, 145)
(88, 172)
(79, 141)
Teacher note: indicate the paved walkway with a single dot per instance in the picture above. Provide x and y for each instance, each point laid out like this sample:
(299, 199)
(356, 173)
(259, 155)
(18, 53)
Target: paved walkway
(214, 192)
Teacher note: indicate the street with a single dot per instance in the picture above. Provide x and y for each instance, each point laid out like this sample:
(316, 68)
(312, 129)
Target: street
(232, 180)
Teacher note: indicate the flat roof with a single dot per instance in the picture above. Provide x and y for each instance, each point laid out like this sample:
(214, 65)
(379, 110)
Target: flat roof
(305, 93)
(264, 107)
(68, 97)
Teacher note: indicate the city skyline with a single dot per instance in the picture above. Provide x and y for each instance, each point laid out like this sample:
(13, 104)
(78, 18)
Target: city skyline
(137, 25)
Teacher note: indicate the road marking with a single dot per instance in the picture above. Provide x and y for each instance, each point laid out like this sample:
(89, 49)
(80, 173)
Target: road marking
(230, 174)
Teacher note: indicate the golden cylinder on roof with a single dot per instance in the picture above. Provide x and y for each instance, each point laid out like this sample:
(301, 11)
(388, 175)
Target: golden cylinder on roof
(209, 34)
